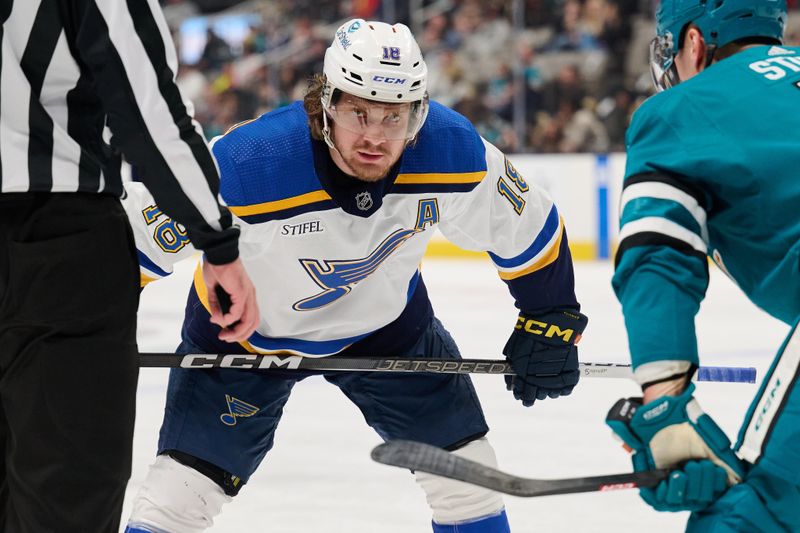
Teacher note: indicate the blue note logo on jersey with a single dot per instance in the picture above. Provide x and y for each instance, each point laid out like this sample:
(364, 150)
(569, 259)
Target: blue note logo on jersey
(237, 409)
(337, 277)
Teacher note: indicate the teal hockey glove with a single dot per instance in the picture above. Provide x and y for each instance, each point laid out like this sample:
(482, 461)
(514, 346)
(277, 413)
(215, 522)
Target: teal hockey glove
(674, 432)
(692, 488)
(543, 354)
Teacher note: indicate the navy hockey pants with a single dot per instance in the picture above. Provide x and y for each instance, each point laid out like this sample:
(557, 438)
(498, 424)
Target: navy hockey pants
(228, 417)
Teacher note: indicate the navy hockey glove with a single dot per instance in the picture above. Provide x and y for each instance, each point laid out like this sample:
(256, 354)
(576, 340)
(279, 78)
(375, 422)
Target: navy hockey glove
(543, 354)
(674, 432)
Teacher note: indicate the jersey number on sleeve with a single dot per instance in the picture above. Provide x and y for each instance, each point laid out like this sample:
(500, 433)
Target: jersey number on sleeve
(508, 192)
(168, 234)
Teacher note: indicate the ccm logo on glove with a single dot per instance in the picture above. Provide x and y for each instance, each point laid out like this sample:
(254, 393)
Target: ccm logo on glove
(543, 354)
(537, 327)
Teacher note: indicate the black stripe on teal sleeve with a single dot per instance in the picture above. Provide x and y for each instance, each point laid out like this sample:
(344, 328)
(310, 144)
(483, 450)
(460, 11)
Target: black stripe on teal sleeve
(656, 239)
(673, 180)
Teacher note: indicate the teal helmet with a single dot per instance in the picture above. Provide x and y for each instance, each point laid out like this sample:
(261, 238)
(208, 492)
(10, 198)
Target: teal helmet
(720, 21)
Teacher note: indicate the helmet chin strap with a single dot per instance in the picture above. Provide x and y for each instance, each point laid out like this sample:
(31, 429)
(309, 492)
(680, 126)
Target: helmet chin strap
(325, 100)
(711, 49)
(326, 133)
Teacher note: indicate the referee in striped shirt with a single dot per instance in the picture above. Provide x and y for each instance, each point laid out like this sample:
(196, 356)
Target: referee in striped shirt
(82, 82)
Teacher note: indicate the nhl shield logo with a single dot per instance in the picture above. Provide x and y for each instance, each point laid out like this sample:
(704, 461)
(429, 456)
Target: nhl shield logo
(364, 201)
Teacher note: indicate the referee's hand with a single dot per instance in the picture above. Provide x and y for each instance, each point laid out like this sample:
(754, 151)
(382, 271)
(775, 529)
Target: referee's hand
(240, 320)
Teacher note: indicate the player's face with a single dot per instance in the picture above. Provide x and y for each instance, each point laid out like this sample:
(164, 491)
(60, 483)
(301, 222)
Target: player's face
(369, 136)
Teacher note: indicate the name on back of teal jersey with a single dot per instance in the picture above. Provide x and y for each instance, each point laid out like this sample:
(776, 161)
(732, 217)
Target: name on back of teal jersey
(776, 68)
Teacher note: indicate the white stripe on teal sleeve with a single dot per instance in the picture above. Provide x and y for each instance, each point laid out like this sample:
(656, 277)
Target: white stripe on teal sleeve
(663, 191)
(665, 227)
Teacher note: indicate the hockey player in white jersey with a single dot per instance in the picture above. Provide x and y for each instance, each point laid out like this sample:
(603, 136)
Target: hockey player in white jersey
(337, 198)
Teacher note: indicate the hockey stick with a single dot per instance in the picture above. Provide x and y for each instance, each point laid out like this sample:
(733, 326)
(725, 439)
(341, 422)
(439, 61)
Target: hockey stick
(427, 458)
(388, 364)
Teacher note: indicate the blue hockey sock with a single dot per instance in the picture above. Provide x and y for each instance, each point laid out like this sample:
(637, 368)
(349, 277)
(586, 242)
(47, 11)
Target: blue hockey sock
(496, 523)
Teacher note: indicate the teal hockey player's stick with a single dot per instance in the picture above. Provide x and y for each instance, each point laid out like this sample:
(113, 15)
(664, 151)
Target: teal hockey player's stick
(425, 458)
(400, 364)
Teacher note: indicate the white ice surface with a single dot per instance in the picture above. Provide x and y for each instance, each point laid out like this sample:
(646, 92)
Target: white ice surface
(319, 478)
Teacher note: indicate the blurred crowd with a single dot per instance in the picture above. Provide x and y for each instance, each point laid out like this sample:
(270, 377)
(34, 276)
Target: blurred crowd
(558, 76)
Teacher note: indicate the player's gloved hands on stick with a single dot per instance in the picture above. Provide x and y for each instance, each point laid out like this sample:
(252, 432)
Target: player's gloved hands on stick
(674, 432)
(543, 354)
(241, 320)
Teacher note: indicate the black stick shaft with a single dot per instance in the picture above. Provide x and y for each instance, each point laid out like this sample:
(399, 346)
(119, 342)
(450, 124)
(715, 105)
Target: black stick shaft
(422, 457)
(402, 364)
(346, 364)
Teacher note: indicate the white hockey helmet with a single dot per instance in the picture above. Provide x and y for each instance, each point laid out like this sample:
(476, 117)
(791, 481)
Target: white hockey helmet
(377, 62)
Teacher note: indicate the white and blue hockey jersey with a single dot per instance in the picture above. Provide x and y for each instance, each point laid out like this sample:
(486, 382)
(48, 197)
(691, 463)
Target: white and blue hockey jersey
(335, 260)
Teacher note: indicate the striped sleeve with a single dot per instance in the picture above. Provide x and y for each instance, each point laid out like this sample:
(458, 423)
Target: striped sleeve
(127, 47)
(160, 241)
(656, 208)
(519, 226)
(661, 270)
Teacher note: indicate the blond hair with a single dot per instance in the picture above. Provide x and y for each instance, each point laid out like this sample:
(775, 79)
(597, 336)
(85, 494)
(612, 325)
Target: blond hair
(312, 103)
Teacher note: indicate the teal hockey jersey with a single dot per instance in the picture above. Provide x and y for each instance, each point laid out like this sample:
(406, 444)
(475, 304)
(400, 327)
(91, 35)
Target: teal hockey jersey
(713, 169)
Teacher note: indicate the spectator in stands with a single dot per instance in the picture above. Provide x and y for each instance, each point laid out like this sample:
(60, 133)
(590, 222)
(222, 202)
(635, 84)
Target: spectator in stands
(583, 131)
(216, 51)
(467, 42)
(573, 36)
(446, 83)
(567, 87)
(490, 126)
(540, 13)
(615, 35)
(433, 35)
(499, 95)
(615, 111)
(533, 80)
(546, 133)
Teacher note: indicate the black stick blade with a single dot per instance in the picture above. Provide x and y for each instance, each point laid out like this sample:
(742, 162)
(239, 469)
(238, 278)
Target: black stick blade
(426, 458)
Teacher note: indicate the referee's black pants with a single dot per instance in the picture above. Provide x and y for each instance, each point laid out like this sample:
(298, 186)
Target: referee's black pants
(68, 362)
